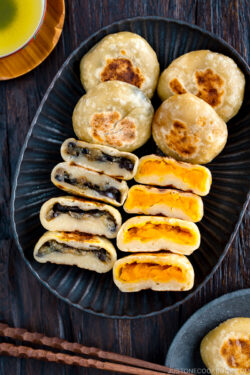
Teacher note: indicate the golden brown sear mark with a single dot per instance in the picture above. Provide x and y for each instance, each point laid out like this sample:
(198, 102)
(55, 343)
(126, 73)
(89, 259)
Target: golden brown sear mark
(209, 87)
(122, 69)
(236, 353)
(177, 87)
(180, 141)
(106, 128)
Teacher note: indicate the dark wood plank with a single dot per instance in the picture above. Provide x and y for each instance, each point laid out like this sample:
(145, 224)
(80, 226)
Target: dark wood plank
(23, 300)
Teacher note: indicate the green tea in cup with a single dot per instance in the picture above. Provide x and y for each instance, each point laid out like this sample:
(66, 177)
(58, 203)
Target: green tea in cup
(19, 22)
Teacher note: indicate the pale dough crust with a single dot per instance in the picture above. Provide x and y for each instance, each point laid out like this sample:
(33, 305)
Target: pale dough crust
(226, 349)
(211, 76)
(187, 128)
(115, 114)
(122, 56)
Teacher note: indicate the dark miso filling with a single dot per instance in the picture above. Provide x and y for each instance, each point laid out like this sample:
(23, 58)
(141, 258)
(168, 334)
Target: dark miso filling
(97, 155)
(78, 213)
(53, 246)
(111, 192)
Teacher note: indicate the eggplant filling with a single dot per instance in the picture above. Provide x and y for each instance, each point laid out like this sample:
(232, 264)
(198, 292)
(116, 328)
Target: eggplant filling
(78, 213)
(53, 246)
(92, 154)
(82, 183)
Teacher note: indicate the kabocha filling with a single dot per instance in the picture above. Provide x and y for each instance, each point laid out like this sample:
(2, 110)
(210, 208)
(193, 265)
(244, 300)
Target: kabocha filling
(194, 177)
(150, 231)
(82, 183)
(143, 198)
(133, 272)
(80, 214)
(92, 154)
(53, 246)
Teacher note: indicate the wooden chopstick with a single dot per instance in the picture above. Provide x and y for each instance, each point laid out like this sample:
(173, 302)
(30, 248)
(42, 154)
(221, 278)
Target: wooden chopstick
(57, 343)
(46, 355)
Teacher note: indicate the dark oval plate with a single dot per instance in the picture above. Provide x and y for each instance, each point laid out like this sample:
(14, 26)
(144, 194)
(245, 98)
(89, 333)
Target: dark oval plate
(224, 206)
(184, 352)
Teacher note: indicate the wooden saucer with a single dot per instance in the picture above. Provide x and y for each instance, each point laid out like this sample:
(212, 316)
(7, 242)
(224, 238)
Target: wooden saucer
(38, 49)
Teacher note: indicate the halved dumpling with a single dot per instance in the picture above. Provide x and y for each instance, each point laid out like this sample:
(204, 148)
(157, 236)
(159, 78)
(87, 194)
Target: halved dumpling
(226, 349)
(81, 181)
(160, 271)
(149, 200)
(155, 233)
(164, 171)
(187, 128)
(71, 214)
(124, 57)
(115, 114)
(104, 159)
(211, 76)
(76, 249)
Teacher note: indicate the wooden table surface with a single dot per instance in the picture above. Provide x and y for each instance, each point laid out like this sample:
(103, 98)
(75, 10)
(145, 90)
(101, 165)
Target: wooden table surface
(24, 302)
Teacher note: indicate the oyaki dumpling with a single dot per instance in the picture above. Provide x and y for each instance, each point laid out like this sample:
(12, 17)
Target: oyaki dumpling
(104, 159)
(210, 76)
(155, 233)
(115, 114)
(226, 349)
(76, 249)
(90, 184)
(149, 200)
(164, 171)
(187, 128)
(124, 57)
(72, 214)
(160, 271)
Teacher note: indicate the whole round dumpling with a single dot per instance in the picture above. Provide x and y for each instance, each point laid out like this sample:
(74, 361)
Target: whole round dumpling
(188, 129)
(114, 113)
(124, 57)
(211, 76)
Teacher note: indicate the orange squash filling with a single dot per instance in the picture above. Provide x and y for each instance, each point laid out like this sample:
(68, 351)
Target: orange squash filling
(194, 177)
(140, 197)
(134, 272)
(149, 231)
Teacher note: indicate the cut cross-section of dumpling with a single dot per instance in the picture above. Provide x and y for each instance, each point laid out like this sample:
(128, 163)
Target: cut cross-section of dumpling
(81, 181)
(155, 233)
(104, 159)
(80, 249)
(165, 171)
(149, 200)
(160, 271)
(71, 214)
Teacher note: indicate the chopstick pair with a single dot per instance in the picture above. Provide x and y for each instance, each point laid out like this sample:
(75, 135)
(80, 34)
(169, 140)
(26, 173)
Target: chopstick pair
(123, 364)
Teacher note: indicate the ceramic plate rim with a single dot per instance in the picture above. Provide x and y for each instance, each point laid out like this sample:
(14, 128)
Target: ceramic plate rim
(13, 225)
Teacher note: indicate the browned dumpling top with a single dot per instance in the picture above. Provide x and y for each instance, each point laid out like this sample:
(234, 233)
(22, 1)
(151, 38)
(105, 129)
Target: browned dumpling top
(123, 56)
(114, 113)
(226, 349)
(210, 76)
(187, 128)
